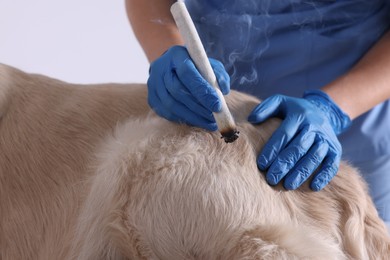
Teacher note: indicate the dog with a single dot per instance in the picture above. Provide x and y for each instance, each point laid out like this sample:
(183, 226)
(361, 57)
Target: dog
(90, 172)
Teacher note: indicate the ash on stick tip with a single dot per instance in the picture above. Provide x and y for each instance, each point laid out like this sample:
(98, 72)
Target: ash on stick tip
(230, 136)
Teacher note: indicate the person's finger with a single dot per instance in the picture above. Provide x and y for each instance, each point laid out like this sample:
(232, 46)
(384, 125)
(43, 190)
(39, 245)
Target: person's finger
(178, 92)
(180, 111)
(307, 165)
(268, 108)
(326, 172)
(156, 104)
(222, 76)
(278, 141)
(289, 156)
(203, 92)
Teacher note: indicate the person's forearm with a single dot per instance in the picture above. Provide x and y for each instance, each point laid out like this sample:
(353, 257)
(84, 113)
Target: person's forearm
(153, 26)
(367, 84)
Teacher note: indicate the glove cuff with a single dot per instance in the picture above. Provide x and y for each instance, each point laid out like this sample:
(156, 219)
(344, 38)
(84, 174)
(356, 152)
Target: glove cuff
(339, 120)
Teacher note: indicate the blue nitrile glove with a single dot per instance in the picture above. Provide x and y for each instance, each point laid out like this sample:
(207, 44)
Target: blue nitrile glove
(305, 140)
(177, 91)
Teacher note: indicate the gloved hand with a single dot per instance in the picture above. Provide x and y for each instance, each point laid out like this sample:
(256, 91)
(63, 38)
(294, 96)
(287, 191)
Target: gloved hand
(305, 140)
(177, 91)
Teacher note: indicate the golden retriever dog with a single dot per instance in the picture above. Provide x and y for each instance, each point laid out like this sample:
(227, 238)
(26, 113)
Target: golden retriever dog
(90, 172)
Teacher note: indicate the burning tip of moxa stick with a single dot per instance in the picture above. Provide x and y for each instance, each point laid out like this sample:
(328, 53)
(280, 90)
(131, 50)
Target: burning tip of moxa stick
(230, 136)
(224, 119)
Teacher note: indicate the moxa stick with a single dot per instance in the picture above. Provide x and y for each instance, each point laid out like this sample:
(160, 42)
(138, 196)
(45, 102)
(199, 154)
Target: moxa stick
(225, 122)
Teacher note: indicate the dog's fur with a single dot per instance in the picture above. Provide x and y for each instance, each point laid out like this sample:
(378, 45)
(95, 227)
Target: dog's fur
(89, 172)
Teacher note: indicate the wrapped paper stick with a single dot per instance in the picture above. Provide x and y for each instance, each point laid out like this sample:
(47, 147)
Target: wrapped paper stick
(224, 119)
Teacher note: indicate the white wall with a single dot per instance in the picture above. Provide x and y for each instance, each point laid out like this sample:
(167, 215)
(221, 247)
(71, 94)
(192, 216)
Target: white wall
(80, 41)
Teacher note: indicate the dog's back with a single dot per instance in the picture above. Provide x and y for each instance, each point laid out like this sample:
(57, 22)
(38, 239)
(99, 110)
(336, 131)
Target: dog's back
(90, 173)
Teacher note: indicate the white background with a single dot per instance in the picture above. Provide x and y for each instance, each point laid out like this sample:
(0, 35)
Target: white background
(79, 41)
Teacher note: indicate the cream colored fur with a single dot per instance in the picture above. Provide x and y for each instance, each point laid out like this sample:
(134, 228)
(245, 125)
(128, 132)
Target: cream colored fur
(89, 172)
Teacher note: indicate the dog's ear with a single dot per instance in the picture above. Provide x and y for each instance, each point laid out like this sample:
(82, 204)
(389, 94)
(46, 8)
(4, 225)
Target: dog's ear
(283, 242)
(125, 238)
(103, 231)
(376, 238)
(363, 233)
